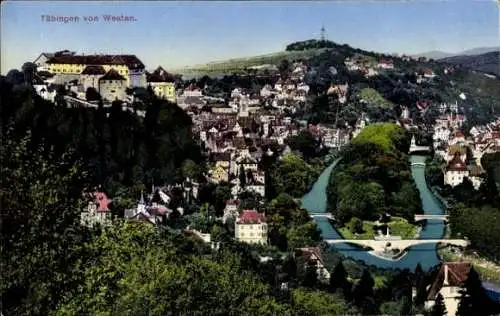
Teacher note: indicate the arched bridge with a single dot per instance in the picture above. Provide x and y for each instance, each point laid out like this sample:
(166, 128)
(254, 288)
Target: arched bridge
(321, 215)
(421, 164)
(415, 148)
(401, 244)
(421, 217)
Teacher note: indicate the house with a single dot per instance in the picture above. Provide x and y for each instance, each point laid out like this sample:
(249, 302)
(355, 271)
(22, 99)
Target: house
(231, 210)
(219, 173)
(313, 256)
(151, 215)
(450, 278)
(162, 84)
(251, 227)
(266, 91)
(386, 64)
(97, 211)
(429, 73)
(455, 171)
(459, 150)
(68, 66)
(41, 62)
(112, 86)
(457, 138)
(90, 76)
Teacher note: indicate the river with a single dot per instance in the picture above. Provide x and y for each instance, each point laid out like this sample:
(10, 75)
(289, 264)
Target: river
(316, 202)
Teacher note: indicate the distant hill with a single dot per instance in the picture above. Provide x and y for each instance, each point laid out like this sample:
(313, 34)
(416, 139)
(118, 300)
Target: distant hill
(436, 54)
(488, 63)
(238, 64)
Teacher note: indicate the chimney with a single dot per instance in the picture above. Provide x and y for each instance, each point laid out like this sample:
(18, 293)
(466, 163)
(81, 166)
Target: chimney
(446, 275)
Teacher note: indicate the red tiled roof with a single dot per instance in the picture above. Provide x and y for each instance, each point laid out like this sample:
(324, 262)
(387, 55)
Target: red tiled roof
(457, 275)
(233, 202)
(251, 217)
(456, 164)
(458, 134)
(102, 201)
(422, 105)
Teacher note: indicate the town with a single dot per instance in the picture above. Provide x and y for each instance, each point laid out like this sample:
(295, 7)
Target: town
(322, 179)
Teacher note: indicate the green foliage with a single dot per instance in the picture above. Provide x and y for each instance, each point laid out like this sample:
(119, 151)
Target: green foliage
(374, 177)
(118, 147)
(388, 136)
(373, 97)
(292, 175)
(41, 197)
(303, 142)
(364, 295)
(290, 226)
(481, 225)
(355, 225)
(137, 271)
(306, 302)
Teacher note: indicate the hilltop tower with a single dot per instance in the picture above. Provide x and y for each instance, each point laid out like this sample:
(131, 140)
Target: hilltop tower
(323, 34)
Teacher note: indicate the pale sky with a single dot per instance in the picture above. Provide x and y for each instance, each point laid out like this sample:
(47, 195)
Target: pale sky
(176, 34)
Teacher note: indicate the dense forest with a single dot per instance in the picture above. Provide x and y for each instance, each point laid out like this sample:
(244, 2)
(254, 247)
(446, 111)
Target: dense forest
(373, 177)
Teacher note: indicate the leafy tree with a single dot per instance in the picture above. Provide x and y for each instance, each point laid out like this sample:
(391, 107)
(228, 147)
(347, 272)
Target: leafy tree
(421, 286)
(176, 282)
(338, 280)
(439, 309)
(292, 175)
(190, 169)
(356, 225)
(303, 235)
(41, 199)
(242, 176)
(364, 295)
(29, 71)
(303, 142)
(92, 95)
(306, 302)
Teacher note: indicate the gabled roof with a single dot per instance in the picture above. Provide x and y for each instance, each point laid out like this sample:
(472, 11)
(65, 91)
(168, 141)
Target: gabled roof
(251, 217)
(160, 75)
(455, 272)
(93, 70)
(112, 75)
(456, 164)
(309, 252)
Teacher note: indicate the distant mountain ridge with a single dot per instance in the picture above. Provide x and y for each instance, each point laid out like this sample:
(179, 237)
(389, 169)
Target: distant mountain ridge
(487, 63)
(436, 54)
